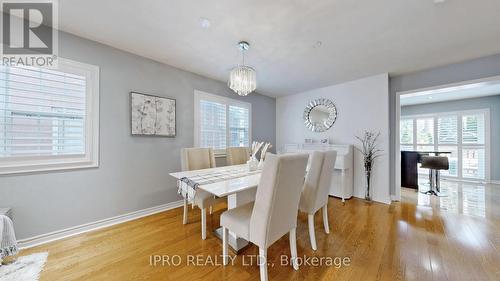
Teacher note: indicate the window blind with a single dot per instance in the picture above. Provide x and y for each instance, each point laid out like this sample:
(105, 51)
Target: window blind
(447, 130)
(238, 126)
(464, 134)
(406, 131)
(42, 112)
(473, 129)
(221, 122)
(425, 131)
(212, 124)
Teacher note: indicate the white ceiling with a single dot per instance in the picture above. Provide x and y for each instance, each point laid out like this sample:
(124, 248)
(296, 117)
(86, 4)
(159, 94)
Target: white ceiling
(359, 38)
(473, 90)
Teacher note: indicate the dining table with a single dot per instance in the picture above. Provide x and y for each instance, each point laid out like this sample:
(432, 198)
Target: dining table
(237, 183)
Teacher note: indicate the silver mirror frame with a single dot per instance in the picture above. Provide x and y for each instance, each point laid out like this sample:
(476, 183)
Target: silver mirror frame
(321, 127)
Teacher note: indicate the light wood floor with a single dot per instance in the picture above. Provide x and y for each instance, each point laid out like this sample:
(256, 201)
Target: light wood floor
(419, 238)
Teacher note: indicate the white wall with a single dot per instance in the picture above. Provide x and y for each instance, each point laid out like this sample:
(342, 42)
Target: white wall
(362, 105)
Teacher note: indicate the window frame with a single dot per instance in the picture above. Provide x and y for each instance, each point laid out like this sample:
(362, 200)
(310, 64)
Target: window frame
(200, 95)
(460, 145)
(90, 159)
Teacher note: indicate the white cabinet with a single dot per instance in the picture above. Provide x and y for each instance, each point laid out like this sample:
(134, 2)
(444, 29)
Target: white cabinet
(342, 178)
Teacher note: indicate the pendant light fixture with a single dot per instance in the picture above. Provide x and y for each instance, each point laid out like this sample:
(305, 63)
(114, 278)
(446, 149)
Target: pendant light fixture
(243, 79)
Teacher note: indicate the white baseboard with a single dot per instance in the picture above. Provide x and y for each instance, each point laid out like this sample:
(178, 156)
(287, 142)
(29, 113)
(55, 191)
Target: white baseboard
(495, 182)
(395, 198)
(64, 233)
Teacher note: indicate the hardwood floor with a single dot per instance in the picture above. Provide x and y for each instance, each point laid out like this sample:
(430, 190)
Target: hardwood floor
(420, 238)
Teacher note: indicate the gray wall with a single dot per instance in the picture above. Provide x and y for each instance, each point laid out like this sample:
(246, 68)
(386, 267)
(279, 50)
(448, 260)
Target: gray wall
(464, 71)
(492, 103)
(133, 172)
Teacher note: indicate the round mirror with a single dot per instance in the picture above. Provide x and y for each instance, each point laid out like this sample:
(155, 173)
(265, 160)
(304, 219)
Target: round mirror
(320, 115)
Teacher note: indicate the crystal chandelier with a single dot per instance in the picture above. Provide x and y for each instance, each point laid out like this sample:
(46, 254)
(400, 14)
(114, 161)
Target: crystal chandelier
(243, 79)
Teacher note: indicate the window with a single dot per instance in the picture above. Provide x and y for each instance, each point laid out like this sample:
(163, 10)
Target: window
(425, 131)
(221, 122)
(464, 134)
(447, 130)
(406, 129)
(48, 118)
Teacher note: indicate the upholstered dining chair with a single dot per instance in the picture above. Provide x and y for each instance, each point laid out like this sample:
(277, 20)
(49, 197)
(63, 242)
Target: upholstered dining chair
(237, 155)
(315, 191)
(196, 159)
(274, 212)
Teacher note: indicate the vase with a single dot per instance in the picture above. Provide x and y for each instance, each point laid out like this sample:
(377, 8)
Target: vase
(261, 164)
(368, 196)
(253, 163)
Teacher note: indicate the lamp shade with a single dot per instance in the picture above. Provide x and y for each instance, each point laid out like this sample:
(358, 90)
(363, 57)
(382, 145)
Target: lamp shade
(242, 80)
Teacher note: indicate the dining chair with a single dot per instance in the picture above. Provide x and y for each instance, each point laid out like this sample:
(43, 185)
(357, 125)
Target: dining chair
(196, 159)
(274, 211)
(237, 155)
(315, 191)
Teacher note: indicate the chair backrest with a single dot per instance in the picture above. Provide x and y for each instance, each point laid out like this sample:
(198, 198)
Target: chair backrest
(318, 181)
(435, 162)
(237, 155)
(277, 199)
(197, 158)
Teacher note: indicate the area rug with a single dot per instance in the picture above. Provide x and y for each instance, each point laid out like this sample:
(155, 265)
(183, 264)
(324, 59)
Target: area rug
(26, 268)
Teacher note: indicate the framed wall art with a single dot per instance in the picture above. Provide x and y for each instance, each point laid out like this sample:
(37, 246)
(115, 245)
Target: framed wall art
(152, 115)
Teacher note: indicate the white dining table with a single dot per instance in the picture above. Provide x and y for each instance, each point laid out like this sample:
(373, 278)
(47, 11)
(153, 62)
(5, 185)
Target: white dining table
(239, 191)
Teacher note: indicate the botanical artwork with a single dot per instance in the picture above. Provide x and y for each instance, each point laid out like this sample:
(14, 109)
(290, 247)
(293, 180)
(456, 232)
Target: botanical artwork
(152, 115)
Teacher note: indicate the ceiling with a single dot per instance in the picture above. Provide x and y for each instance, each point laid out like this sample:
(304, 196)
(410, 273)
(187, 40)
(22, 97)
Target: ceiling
(473, 90)
(358, 38)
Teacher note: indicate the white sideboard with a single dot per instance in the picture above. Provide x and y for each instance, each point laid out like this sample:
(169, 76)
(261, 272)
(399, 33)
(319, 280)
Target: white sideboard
(342, 179)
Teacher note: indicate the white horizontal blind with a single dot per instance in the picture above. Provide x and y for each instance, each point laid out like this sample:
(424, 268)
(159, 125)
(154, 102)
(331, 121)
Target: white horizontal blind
(221, 122)
(464, 134)
(473, 129)
(42, 112)
(425, 131)
(406, 129)
(447, 129)
(212, 124)
(474, 152)
(238, 126)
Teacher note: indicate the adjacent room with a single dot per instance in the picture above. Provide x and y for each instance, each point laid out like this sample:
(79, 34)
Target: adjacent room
(454, 124)
(249, 140)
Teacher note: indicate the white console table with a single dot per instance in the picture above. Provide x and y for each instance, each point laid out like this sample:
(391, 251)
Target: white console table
(342, 178)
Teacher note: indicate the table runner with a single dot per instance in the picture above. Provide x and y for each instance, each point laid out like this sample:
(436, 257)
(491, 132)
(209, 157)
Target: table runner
(187, 185)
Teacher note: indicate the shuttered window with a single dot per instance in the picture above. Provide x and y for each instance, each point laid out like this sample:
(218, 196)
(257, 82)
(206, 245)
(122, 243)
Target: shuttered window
(45, 117)
(221, 122)
(238, 126)
(447, 129)
(406, 129)
(42, 112)
(473, 129)
(464, 134)
(213, 124)
(425, 130)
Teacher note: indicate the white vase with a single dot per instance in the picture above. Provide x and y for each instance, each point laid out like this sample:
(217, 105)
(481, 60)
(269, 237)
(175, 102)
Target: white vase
(261, 164)
(253, 163)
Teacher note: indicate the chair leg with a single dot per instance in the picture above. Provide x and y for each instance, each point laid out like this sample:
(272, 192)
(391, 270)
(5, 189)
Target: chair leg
(293, 248)
(185, 215)
(225, 233)
(325, 218)
(204, 223)
(312, 235)
(263, 264)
